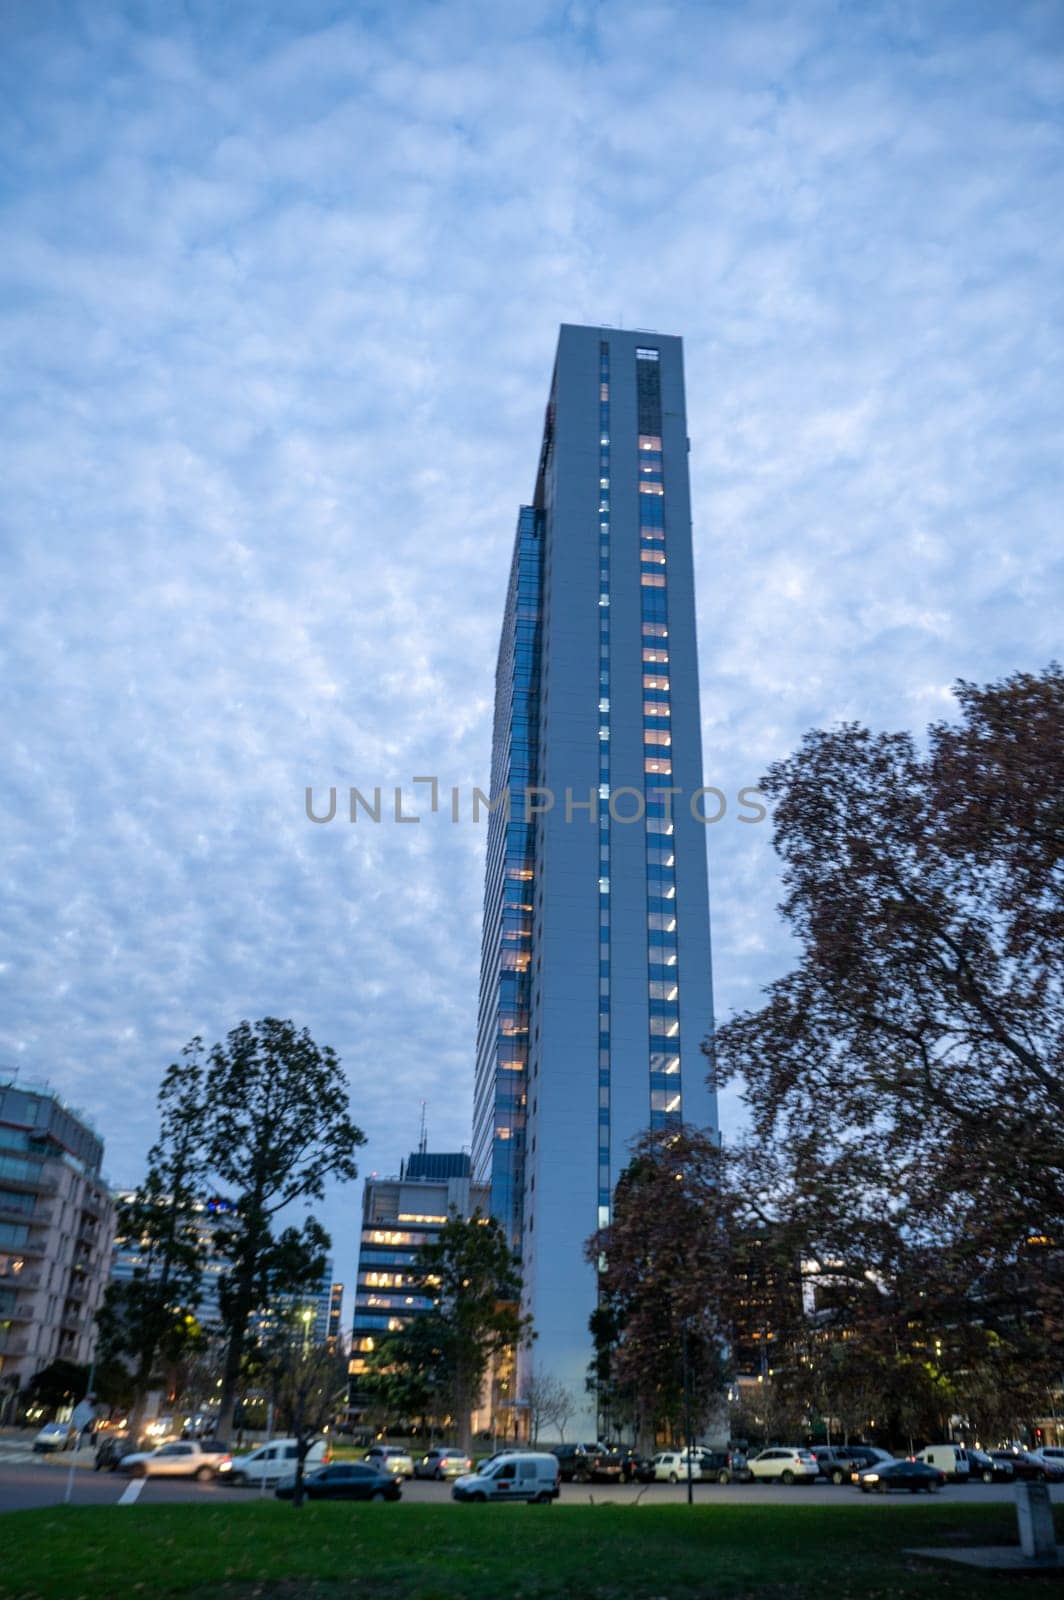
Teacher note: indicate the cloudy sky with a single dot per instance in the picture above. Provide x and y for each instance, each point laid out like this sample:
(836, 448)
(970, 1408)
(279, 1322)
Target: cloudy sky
(279, 290)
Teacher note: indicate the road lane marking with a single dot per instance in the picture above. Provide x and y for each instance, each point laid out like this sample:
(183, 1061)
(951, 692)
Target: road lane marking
(131, 1493)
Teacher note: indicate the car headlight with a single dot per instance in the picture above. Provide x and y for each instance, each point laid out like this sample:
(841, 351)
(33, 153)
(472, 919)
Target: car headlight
(871, 1477)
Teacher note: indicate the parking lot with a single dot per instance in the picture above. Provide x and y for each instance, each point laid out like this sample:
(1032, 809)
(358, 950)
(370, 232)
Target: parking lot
(28, 1481)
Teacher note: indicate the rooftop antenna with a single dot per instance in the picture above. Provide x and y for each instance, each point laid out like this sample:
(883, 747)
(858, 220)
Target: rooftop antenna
(424, 1138)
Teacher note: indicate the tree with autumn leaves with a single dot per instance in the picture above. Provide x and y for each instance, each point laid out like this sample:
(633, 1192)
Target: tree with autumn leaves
(904, 1080)
(906, 1142)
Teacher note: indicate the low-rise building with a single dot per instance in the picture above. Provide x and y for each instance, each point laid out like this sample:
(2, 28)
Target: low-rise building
(56, 1227)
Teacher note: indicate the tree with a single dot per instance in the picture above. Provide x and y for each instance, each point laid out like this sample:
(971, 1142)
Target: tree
(150, 1318)
(548, 1401)
(904, 1079)
(60, 1383)
(309, 1384)
(280, 1127)
(665, 1279)
(473, 1277)
(407, 1371)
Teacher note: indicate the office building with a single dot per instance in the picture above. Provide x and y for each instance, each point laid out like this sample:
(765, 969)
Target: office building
(56, 1224)
(400, 1216)
(595, 990)
(322, 1304)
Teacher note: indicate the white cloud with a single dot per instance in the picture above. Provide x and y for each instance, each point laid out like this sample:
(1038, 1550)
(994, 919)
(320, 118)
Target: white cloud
(279, 303)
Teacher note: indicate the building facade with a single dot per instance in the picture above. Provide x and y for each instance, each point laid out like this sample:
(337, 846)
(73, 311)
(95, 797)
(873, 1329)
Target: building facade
(596, 992)
(400, 1216)
(56, 1226)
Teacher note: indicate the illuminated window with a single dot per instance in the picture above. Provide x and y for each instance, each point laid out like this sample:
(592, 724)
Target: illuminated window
(657, 708)
(654, 653)
(652, 681)
(653, 580)
(650, 488)
(655, 558)
(649, 441)
(416, 1216)
(604, 391)
(656, 736)
(655, 630)
(658, 765)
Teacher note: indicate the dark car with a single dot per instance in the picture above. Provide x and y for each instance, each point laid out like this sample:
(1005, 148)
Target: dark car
(633, 1463)
(1030, 1467)
(911, 1475)
(110, 1450)
(832, 1463)
(586, 1463)
(344, 1480)
(988, 1468)
(723, 1466)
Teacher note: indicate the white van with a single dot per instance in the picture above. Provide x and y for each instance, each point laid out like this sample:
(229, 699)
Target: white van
(948, 1458)
(527, 1476)
(274, 1461)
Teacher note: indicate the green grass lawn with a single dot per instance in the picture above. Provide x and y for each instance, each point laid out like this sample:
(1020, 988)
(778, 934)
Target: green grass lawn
(269, 1551)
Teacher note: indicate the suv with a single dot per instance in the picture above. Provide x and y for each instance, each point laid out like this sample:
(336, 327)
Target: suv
(785, 1464)
(832, 1463)
(726, 1466)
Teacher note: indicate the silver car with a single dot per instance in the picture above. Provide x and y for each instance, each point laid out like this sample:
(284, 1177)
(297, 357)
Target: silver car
(389, 1458)
(443, 1461)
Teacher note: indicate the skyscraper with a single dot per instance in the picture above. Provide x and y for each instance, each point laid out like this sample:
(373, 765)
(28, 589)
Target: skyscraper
(595, 991)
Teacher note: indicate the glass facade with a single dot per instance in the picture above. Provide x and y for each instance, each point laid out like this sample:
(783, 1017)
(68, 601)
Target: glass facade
(582, 1041)
(501, 1086)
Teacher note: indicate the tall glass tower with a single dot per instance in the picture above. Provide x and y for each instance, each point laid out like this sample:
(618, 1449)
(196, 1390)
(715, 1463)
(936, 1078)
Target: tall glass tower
(595, 990)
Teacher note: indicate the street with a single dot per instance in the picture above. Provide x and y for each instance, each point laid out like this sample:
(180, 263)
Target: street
(28, 1482)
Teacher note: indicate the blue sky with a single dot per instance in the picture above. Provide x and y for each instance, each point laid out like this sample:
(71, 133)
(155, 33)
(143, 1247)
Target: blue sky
(279, 291)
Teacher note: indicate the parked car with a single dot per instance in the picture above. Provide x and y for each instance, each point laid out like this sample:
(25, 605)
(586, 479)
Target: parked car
(112, 1448)
(632, 1463)
(863, 1456)
(273, 1462)
(181, 1458)
(389, 1458)
(586, 1463)
(443, 1462)
(1052, 1452)
(670, 1466)
(831, 1463)
(784, 1464)
(529, 1476)
(55, 1436)
(984, 1466)
(344, 1480)
(508, 1450)
(1030, 1466)
(948, 1458)
(724, 1466)
(912, 1475)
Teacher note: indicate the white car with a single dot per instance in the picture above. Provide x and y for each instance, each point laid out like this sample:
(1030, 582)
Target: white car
(670, 1466)
(55, 1436)
(531, 1476)
(948, 1458)
(781, 1464)
(389, 1458)
(272, 1462)
(181, 1458)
